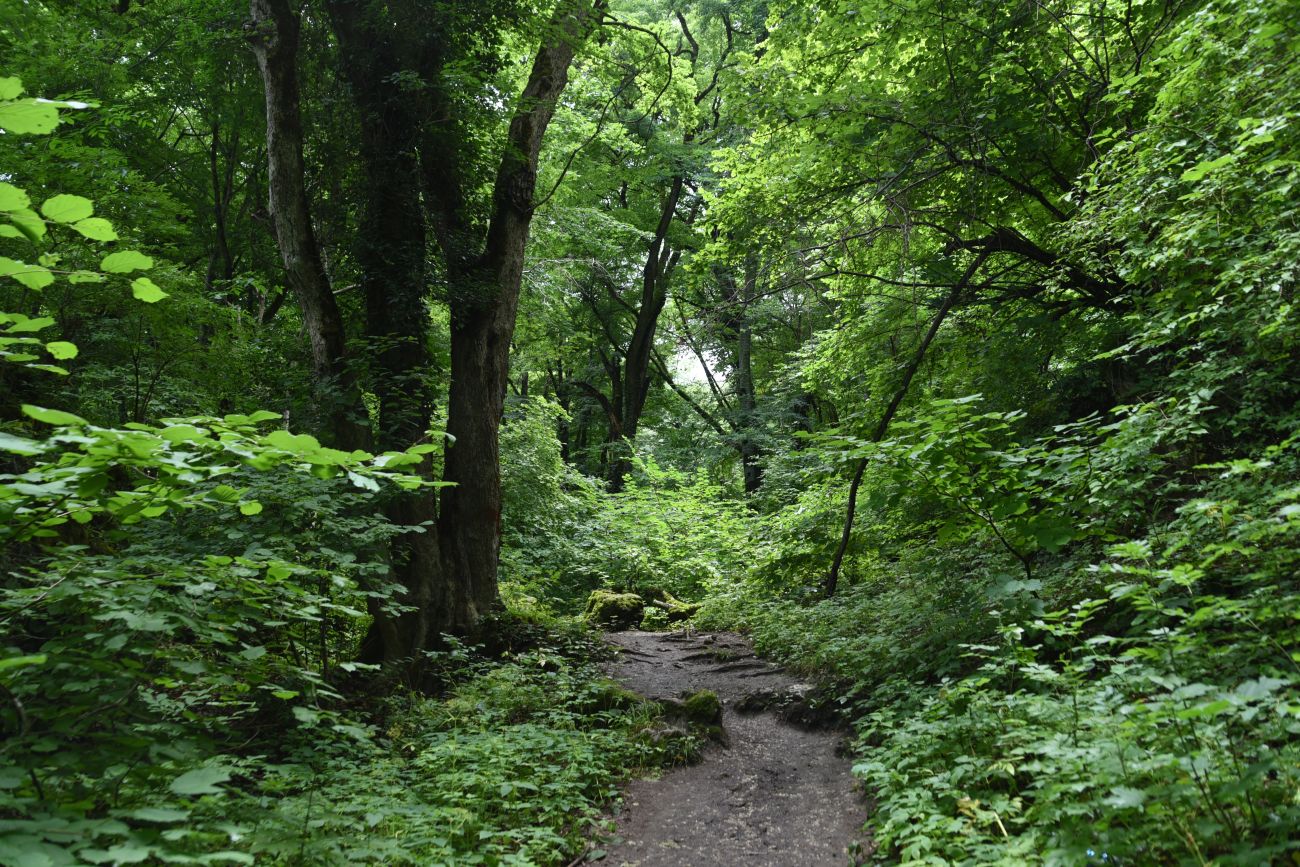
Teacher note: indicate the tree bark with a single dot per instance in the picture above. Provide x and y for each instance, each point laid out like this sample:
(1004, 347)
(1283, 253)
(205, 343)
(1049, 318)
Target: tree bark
(274, 35)
(391, 250)
(484, 302)
(636, 365)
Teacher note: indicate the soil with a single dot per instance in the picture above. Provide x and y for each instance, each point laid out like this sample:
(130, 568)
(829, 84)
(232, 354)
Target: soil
(777, 792)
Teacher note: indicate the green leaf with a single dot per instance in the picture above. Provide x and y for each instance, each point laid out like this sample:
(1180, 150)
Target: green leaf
(12, 198)
(1124, 797)
(307, 716)
(162, 815)
(252, 507)
(11, 87)
(125, 262)
(1200, 170)
(52, 416)
(126, 853)
(32, 276)
(28, 117)
(19, 445)
(83, 276)
(61, 349)
(146, 290)
(65, 208)
(183, 433)
(19, 661)
(201, 781)
(96, 229)
(23, 324)
(282, 439)
(224, 494)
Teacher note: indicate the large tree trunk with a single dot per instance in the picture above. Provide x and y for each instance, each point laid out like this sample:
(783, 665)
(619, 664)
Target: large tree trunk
(391, 250)
(274, 37)
(484, 302)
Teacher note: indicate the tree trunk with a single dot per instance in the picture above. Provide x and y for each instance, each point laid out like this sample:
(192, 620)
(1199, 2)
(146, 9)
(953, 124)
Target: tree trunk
(636, 365)
(746, 397)
(274, 37)
(391, 249)
(484, 302)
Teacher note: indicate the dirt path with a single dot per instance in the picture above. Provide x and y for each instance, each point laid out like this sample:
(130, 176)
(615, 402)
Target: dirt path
(777, 795)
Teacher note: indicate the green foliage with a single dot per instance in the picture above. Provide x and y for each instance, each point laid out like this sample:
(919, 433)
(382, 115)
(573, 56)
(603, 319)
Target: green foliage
(1066, 627)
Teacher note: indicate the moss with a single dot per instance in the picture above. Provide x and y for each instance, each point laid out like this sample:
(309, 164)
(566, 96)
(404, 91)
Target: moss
(608, 695)
(615, 610)
(703, 708)
(674, 609)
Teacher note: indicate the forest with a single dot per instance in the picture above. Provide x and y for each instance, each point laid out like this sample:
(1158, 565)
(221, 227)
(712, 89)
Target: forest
(367, 365)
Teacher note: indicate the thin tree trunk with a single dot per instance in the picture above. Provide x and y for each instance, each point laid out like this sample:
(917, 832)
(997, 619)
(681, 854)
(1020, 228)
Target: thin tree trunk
(882, 427)
(636, 365)
(274, 37)
(746, 398)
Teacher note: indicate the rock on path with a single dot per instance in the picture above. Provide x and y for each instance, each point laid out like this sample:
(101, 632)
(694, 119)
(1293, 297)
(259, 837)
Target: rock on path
(777, 796)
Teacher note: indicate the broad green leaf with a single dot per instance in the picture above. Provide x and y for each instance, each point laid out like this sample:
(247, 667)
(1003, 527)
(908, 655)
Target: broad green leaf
(182, 433)
(1125, 797)
(201, 781)
(29, 325)
(146, 290)
(124, 262)
(96, 229)
(28, 117)
(66, 208)
(126, 853)
(11, 87)
(224, 494)
(252, 507)
(61, 349)
(52, 416)
(282, 439)
(19, 445)
(32, 276)
(1200, 170)
(12, 198)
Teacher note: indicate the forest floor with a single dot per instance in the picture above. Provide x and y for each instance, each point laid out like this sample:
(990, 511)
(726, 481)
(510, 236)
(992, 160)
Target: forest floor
(776, 792)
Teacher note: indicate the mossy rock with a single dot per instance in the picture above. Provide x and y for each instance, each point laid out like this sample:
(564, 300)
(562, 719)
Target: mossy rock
(702, 708)
(606, 695)
(701, 712)
(615, 611)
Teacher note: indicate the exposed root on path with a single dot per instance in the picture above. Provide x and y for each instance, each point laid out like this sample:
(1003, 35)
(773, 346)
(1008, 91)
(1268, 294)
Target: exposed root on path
(778, 794)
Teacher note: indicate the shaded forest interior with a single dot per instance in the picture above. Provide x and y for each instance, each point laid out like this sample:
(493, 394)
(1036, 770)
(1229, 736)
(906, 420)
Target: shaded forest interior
(362, 360)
